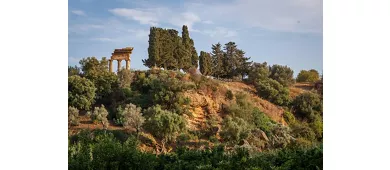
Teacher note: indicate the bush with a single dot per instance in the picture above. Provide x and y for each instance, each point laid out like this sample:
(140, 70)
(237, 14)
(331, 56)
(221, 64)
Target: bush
(303, 131)
(81, 92)
(308, 76)
(130, 117)
(273, 91)
(125, 78)
(282, 74)
(99, 115)
(234, 130)
(289, 117)
(164, 124)
(73, 116)
(307, 105)
(317, 126)
(262, 121)
(229, 95)
(258, 72)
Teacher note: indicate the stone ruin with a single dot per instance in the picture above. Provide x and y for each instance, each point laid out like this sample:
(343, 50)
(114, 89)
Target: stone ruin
(119, 55)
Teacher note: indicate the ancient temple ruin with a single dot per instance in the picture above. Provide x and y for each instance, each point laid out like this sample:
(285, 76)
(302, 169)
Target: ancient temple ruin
(119, 55)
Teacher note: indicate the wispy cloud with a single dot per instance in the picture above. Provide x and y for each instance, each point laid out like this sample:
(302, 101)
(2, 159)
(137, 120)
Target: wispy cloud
(103, 39)
(139, 33)
(156, 16)
(220, 32)
(275, 15)
(186, 18)
(79, 12)
(144, 16)
(207, 22)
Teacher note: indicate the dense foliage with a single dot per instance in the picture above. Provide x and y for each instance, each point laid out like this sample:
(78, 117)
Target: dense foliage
(282, 74)
(164, 124)
(273, 91)
(205, 63)
(81, 92)
(307, 105)
(226, 128)
(73, 116)
(170, 51)
(99, 115)
(308, 76)
(104, 151)
(130, 117)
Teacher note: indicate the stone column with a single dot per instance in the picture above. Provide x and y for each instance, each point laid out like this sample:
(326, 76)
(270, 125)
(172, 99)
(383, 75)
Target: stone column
(119, 65)
(110, 65)
(127, 65)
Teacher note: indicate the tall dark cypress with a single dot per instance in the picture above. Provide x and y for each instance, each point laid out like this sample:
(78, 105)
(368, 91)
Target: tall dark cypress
(205, 63)
(186, 42)
(172, 41)
(194, 55)
(153, 49)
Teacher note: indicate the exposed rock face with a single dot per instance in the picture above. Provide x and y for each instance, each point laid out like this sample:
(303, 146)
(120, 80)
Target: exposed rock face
(203, 104)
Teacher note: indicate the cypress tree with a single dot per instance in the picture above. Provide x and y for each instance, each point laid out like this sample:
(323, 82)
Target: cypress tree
(172, 41)
(187, 46)
(205, 63)
(153, 49)
(194, 55)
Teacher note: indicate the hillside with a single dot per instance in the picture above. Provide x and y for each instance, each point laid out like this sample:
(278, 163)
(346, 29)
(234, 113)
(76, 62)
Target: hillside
(203, 104)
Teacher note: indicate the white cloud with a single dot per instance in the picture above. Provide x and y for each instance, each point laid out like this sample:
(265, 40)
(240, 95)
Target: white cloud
(77, 28)
(103, 39)
(144, 16)
(139, 33)
(207, 22)
(186, 18)
(79, 12)
(275, 15)
(220, 32)
(155, 16)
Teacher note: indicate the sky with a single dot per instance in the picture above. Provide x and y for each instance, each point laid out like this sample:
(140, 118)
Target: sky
(284, 32)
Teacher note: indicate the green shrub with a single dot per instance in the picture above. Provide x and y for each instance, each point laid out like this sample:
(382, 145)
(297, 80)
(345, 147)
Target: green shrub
(81, 92)
(289, 117)
(262, 121)
(307, 105)
(73, 116)
(273, 91)
(130, 117)
(229, 95)
(234, 130)
(303, 131)
(308, 76)
(317, 126)
(99, 115)
(164, 124)
(282, 74)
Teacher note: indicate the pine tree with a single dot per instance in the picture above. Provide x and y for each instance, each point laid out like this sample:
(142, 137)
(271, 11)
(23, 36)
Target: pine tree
(217, 60)
(244, 65)
(205, 63)
(230, 59)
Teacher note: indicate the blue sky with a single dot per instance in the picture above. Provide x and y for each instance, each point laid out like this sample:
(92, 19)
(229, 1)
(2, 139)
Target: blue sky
(285, 32)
